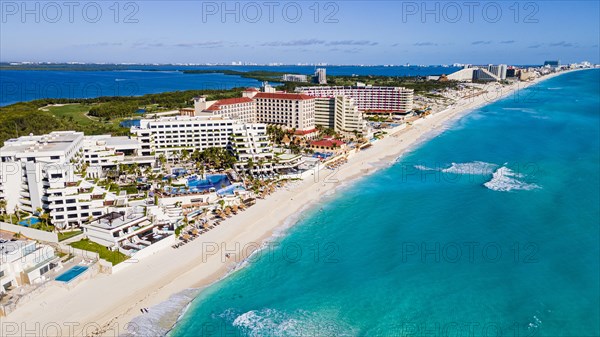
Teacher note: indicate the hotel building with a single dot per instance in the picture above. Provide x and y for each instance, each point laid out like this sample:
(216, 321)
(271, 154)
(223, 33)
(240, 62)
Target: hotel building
(339, 113)
(290, 110)
(366, 97)
(250, 143)
(170, 135)
(44, 172)
(240, 108)
(104, 152)
(498, 70)
(294, 78)
(320, 76)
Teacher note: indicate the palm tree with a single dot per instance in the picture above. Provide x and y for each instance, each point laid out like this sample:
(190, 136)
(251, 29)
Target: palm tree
(17, 212)
(2, 206)
(162, 159)
(185, 155)
(45, 217)
(250, 165)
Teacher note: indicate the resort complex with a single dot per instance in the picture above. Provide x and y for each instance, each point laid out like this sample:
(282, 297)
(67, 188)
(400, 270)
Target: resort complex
(92, 202)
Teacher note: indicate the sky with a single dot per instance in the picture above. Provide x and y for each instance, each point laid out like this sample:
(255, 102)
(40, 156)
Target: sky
(291, 32)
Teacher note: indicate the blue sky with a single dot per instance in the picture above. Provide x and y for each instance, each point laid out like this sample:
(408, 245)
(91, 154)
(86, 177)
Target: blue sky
(340, 32)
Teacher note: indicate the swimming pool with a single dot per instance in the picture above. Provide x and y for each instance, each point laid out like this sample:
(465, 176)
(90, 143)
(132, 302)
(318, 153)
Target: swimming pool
(70, 274)
(216, 181)
(230, 190)
(129, 123)
(29, 221)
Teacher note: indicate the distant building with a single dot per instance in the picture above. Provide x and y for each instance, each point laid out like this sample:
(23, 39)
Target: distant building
(552, 63)
(512, 72)
(320, 76)
(294, 78)
(476, 73)
(498, 70)
(484, 75)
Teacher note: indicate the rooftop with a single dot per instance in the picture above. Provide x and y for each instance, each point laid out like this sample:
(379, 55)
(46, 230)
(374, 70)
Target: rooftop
(304, 132)
(228, 101)
(52, 142)
(283, 96)
(327, 143)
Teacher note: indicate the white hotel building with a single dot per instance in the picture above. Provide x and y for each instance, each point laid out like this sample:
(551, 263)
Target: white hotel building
(368, 98)
(42, 172)
(170, 135)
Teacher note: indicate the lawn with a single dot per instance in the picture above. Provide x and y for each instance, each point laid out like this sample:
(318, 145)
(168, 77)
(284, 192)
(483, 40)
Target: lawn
(66, 235)
(77, 113)
(114, 257)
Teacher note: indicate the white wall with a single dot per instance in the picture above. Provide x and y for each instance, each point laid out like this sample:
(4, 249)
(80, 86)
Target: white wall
(31, 233)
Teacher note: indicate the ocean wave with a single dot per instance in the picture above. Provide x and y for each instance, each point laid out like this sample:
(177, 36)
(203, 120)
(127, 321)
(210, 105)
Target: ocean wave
(271, 322)
(473, 168)
(526, 110)
(470, 168)
(159, 318)
(505, 180)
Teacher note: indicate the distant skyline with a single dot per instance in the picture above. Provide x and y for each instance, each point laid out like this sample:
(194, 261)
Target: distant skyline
(345, 32)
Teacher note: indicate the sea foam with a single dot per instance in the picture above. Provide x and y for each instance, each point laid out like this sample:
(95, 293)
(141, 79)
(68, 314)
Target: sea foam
(471, 168)
(505, 180)
(272, 322)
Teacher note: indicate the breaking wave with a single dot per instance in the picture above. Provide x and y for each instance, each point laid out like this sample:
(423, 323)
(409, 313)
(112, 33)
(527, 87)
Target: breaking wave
(505, 180)
(271, 322)
(471, 168)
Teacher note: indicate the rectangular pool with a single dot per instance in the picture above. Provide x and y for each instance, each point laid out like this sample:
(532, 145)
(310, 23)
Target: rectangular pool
(70, 274)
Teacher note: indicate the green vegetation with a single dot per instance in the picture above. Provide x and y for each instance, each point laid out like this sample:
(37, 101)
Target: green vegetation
(178, 230)
(213, 157)
(92, 115)
(102, 115)
(67, 235)
(260, 75)
(114, 257)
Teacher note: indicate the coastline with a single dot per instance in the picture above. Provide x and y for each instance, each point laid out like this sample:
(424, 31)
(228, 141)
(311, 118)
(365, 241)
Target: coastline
(113, 301)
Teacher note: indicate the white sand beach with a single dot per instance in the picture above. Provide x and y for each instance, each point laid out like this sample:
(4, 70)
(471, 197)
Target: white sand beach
(111, 301)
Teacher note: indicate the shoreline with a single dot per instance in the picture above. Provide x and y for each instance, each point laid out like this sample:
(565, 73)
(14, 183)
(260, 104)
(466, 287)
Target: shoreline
(112, 301)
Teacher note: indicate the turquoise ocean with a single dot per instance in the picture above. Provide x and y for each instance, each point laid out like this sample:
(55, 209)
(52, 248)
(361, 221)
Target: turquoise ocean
(488, 228)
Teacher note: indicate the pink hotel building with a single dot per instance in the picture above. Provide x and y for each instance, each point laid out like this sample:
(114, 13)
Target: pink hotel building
(368, 98)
